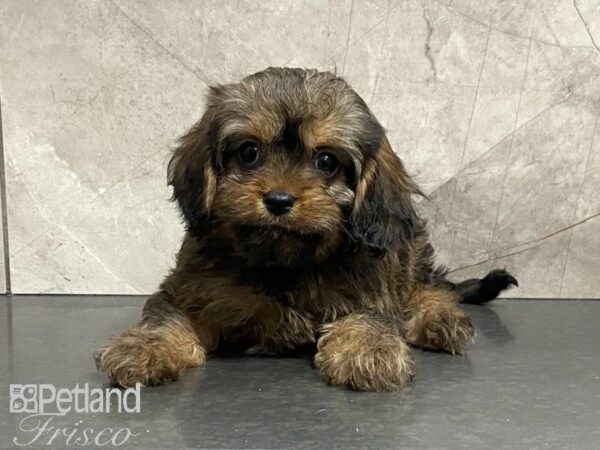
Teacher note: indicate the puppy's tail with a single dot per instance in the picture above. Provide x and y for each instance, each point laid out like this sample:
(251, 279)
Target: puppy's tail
(481, 290)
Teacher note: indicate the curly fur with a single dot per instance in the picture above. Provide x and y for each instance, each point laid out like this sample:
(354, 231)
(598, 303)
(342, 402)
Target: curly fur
(348, 268)
(360, 353)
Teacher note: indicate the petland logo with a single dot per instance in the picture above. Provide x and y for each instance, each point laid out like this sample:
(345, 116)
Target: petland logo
(45, 405)
(39, 398)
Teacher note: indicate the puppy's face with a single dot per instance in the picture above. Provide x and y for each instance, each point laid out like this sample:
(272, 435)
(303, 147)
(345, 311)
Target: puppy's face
(276, 193)
(284, 166)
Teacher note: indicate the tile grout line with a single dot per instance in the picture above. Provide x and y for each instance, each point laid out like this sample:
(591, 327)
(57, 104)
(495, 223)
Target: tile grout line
(4, 206)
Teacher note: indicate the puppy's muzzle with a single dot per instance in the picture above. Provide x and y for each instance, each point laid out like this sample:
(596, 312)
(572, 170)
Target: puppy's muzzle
(278, 202)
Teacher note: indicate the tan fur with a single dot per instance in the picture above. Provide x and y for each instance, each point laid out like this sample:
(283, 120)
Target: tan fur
(434, 321)
(151, 355)
(362, 354)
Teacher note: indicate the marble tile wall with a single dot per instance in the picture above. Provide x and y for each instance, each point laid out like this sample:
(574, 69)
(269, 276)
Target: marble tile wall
(3, 270)
(493, 106)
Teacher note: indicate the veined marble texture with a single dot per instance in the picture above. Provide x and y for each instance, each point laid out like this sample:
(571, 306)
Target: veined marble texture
(493, 107)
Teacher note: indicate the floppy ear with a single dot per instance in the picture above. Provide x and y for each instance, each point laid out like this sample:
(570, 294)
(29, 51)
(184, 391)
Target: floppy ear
(383, 215)
(192, 174)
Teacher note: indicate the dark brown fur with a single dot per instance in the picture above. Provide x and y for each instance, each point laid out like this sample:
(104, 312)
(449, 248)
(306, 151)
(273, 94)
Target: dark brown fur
(349, 268)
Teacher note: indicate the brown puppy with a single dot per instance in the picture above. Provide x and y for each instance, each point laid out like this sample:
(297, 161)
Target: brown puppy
(300, 230)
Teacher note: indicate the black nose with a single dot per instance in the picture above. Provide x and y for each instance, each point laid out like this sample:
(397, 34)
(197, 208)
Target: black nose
(278, 202)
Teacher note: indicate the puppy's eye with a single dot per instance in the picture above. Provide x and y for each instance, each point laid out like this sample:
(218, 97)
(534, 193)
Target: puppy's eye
(249, 154)
(327, 162)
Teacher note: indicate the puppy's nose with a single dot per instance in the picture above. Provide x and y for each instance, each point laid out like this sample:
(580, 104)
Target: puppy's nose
(278, 202)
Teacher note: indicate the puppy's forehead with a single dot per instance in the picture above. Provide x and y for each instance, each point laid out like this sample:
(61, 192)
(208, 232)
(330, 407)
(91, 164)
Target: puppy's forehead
(323, 108)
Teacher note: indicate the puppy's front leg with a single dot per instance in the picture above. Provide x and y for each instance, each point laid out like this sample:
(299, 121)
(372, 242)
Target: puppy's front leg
(363, 353)
(156, 350)
(434, 321)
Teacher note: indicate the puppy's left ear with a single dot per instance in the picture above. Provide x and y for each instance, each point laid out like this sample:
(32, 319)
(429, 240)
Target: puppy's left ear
(192, 174)
(383, 215)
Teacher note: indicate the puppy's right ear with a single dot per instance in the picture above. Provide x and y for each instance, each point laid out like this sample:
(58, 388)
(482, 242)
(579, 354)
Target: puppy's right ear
(192, 174)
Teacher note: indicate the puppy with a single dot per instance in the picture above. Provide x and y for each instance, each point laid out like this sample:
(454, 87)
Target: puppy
(300, 230)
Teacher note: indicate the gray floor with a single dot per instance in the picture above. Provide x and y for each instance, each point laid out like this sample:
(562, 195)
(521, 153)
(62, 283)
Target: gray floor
(531, 380)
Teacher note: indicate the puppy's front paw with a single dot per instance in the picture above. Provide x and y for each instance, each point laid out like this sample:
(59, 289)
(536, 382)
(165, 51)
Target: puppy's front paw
(359, 356)
(147, 357)
(448, 330)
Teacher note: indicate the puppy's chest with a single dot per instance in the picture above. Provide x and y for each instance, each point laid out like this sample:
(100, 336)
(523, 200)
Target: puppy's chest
(292, 315)
(306, 292)
(278, 284)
